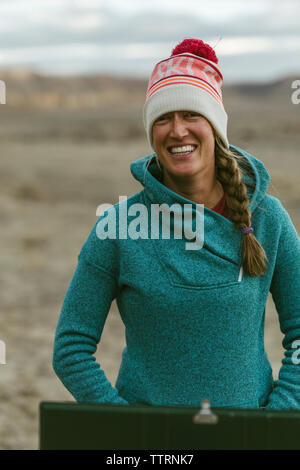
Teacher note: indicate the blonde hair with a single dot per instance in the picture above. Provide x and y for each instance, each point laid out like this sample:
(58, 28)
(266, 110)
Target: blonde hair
(230, 168)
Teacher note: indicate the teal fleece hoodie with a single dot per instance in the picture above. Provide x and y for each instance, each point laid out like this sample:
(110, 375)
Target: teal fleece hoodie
(194, 321)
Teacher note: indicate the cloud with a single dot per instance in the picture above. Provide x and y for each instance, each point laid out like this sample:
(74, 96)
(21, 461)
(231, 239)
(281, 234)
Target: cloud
(71, 21)
(123, 37)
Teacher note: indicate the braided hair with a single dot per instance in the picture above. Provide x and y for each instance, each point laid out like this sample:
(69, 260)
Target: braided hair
(230, 168)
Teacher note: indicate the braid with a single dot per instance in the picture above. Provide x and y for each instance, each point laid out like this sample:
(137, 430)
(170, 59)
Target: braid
(229, 173)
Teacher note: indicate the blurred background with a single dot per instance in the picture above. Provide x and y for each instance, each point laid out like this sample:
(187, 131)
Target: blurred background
(76, 74)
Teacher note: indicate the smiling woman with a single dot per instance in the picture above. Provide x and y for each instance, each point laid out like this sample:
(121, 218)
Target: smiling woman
(194, 319)
(191, 77)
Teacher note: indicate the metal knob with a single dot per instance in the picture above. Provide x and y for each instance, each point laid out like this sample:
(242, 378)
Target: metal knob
(205, 415)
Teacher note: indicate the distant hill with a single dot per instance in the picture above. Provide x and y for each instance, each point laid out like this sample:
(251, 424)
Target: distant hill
(275, 89)
(26, 88)
(29, 89)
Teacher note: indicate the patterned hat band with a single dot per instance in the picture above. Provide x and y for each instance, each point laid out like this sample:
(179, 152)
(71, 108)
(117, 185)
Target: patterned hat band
(187, 69)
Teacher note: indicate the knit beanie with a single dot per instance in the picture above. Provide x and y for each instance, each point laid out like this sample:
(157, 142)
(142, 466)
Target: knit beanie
(189, 80)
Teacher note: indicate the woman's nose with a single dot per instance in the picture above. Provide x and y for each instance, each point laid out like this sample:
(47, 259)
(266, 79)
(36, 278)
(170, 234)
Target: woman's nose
(178, 128)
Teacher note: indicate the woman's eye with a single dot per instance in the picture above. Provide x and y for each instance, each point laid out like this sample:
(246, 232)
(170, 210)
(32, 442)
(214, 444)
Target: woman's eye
(162, 118)
(192, 114)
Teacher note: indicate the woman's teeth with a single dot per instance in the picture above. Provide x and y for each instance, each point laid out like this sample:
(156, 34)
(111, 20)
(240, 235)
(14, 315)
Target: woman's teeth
(182, 150)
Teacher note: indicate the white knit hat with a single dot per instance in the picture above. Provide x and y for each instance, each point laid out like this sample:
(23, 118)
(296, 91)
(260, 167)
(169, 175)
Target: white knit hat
(189, 80)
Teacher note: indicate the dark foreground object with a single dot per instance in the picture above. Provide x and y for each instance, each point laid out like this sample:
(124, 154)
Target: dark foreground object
(68, 426)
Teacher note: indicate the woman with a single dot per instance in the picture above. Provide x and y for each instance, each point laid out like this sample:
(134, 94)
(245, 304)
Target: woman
(194, 318)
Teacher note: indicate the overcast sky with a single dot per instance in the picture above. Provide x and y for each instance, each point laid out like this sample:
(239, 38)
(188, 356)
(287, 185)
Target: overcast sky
(257, 40)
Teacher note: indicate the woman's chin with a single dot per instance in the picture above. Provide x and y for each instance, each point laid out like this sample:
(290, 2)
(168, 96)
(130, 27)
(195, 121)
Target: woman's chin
(183, 170)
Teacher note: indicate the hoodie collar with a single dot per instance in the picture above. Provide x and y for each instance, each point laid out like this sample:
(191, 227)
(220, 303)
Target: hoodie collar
(150, 178)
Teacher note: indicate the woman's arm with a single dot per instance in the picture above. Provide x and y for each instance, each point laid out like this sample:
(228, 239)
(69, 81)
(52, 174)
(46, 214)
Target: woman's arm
(285, 290)
(82, 318)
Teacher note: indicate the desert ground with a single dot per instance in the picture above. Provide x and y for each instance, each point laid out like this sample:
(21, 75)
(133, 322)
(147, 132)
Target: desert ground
(65, 149)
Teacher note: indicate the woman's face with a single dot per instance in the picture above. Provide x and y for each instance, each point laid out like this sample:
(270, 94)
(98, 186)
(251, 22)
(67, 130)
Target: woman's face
(184, 143)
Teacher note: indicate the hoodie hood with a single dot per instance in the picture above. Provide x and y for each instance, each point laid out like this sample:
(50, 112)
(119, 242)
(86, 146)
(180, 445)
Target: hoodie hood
(257, 179)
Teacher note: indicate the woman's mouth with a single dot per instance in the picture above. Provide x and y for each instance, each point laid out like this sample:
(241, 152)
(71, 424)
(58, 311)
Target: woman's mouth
(181, 152)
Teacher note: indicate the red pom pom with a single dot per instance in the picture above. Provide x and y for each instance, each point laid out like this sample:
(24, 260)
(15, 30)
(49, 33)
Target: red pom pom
(196, 47)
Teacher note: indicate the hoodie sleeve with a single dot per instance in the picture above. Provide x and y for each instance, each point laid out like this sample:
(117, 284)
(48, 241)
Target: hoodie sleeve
(285, 290)
(81, 322)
